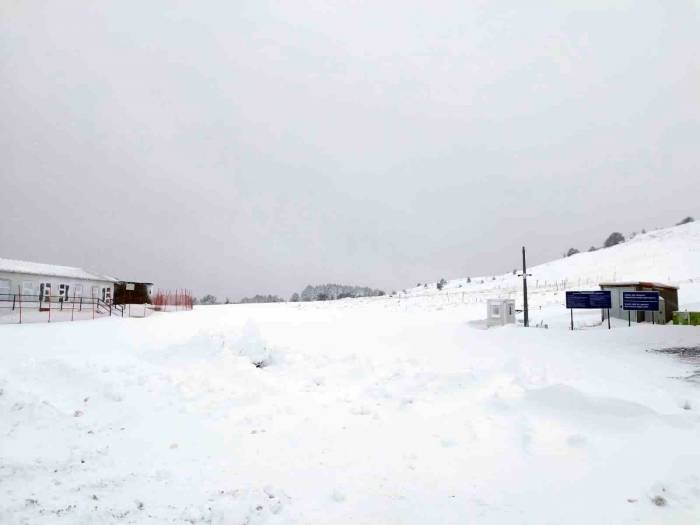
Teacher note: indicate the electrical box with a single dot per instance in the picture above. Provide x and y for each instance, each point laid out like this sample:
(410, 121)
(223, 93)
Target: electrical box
(500, 312)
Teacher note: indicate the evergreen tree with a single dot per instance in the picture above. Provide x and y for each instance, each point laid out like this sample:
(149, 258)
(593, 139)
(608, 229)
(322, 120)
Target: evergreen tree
(613, 239)
(208, 299)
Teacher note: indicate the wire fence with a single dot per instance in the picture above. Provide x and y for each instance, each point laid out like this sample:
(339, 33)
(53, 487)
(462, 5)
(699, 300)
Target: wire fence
(480, 291)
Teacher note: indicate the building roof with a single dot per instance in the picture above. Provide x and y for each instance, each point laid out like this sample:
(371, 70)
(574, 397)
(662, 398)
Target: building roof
(645, 284)
(34, 268)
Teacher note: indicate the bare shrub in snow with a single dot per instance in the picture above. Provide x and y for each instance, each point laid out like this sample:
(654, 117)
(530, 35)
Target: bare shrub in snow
(659, 501)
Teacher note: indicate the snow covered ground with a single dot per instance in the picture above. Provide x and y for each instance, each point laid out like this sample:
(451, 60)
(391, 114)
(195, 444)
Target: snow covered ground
(396, 410)
(362, 413)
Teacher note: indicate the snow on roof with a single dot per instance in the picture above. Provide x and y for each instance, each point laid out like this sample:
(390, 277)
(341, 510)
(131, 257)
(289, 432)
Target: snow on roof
(125, 281)
(34, 268)
(639, 283)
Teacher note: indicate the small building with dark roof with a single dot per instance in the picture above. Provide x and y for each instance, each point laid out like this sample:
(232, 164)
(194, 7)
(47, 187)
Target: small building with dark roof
(132, 292)
(668, 300)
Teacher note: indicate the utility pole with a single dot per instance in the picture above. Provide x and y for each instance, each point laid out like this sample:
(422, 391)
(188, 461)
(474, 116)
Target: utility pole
(525, 310)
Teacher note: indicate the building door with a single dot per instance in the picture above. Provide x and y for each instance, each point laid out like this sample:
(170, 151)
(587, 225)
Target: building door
(45, 295)
(63, 292)
(107, 295)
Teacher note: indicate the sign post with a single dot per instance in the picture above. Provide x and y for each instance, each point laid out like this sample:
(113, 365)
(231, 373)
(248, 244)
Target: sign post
(589, 300)
(640, 301)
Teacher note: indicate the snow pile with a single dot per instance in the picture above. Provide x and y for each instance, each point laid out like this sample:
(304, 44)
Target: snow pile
(362, 413)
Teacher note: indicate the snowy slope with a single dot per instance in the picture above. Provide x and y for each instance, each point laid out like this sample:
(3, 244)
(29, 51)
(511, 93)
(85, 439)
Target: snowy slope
(670, 255)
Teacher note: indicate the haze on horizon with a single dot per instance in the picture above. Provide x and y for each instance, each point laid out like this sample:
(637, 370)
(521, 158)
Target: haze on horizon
(238, 148)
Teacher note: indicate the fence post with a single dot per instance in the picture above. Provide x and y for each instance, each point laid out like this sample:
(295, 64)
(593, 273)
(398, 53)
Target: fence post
(49, 307)
(14, 297)
(19, 289)
(81, 304)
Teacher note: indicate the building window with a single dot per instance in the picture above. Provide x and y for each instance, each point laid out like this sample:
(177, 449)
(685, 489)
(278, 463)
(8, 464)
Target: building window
(29, 288)
(4, 289)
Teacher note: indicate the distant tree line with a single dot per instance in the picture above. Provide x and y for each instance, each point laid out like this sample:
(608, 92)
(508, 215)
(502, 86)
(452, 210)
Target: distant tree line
(261, 299)
(331, 292)
(207, 299)
(323, 292)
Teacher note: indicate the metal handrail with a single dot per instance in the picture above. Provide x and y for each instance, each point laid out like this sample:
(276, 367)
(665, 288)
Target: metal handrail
(48, 300)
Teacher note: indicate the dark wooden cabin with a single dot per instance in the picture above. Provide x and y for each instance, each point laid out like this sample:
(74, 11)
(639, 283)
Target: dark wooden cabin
(129, 292)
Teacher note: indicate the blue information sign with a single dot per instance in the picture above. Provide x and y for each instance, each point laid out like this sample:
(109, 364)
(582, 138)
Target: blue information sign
(595, 299)
(640, 301)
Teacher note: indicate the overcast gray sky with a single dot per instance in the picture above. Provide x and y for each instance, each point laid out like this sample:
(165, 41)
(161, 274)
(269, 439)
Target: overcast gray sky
(254, 147)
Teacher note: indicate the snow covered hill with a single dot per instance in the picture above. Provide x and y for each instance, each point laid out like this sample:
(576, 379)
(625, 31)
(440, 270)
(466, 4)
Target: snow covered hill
(670, 255)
